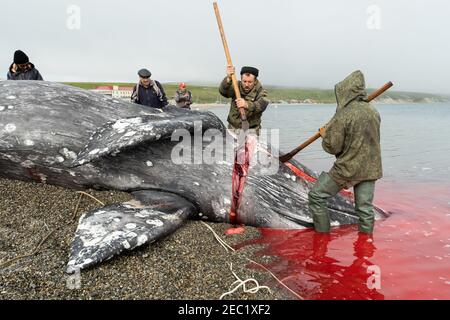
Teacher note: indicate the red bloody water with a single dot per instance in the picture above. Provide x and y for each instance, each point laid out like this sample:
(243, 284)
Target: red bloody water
(408, 258)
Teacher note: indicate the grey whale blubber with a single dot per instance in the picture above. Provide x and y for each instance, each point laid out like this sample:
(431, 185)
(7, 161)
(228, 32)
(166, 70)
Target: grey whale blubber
(62, 135)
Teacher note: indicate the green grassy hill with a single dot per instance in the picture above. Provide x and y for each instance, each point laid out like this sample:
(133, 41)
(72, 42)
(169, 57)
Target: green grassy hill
(210, 94)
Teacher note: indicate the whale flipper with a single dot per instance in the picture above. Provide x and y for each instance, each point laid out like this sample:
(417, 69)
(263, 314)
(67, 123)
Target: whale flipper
(106, 232)
(116, 136)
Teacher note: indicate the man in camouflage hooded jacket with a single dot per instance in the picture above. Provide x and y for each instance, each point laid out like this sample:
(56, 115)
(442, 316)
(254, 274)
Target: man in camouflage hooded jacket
(353, 136)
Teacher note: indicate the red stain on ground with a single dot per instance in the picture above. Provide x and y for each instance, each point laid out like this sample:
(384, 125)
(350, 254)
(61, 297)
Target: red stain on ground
(408, 257)
(236, 230)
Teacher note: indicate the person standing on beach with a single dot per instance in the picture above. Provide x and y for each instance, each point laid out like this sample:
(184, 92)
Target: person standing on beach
(183, 97)
(149, 92)
(22, 68)
(254, 98)
(353, 136)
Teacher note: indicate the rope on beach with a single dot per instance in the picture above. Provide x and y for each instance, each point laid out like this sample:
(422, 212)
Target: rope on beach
(82, 193)
(91, 196)
(279, 281)
(242, 283)
(239, 282)
(32, 253)
(227, 247)
(38, 247)
(220, 240)
(74, 214)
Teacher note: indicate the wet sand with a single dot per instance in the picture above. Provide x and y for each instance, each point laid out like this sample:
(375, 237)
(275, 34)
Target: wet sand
(189, 264)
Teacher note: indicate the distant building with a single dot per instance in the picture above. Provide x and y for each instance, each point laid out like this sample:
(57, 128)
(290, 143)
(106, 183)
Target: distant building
(115, 91)
(106, 90)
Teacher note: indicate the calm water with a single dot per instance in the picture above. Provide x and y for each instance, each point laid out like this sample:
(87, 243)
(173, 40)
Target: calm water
(415, 139)
(410, 252)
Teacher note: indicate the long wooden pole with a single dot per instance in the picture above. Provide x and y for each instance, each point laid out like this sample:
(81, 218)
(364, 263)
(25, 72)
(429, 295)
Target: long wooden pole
(288, 156)
(237, 92)
(379, 92)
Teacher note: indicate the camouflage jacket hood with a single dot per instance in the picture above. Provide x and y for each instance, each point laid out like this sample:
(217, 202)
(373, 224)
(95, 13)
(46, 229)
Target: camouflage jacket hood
(353, 135)
(350, 89)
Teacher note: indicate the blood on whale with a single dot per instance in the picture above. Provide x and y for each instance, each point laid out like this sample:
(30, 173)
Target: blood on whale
(239, 178)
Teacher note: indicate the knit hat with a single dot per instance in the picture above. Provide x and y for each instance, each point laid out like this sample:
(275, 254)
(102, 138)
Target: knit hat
(20, 57)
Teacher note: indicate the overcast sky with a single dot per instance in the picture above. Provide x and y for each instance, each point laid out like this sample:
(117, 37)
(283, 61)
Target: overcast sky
(293, 42)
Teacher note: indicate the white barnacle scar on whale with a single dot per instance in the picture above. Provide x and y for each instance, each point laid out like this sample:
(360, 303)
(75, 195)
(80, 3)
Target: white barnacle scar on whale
(28, 142)
(10, 127)
(121, 124)
(9, 107)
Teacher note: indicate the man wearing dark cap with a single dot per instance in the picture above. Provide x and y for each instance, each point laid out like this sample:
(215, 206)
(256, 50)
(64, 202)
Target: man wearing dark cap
(149, 92)
(22, 68)
(253, 98)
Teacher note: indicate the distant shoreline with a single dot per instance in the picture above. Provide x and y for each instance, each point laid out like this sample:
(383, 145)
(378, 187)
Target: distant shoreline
(202, 106)
(209, 95)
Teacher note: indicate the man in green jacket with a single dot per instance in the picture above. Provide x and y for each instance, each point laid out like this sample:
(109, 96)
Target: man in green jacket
(253, 99)
(353, 136)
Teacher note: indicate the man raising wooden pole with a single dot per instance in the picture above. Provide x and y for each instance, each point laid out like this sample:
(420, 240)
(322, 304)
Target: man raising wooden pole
(244, 119)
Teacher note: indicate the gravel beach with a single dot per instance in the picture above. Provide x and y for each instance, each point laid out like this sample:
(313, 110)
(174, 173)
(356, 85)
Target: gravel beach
(189, 264)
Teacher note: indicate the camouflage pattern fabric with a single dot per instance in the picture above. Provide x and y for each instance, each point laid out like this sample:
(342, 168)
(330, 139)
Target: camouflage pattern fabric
(353, 135)
(256, 100)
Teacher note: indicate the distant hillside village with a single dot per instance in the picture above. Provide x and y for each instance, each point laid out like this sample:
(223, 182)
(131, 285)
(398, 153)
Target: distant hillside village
(323, 96)
(125, 92)
(209, 94)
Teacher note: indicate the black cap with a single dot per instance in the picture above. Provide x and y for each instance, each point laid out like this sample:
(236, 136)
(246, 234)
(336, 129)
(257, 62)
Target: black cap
(20, 57)
(250, 70)
(144, 73)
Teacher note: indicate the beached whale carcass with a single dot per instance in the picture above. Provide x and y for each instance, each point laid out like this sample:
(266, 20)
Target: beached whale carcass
(62, 135)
